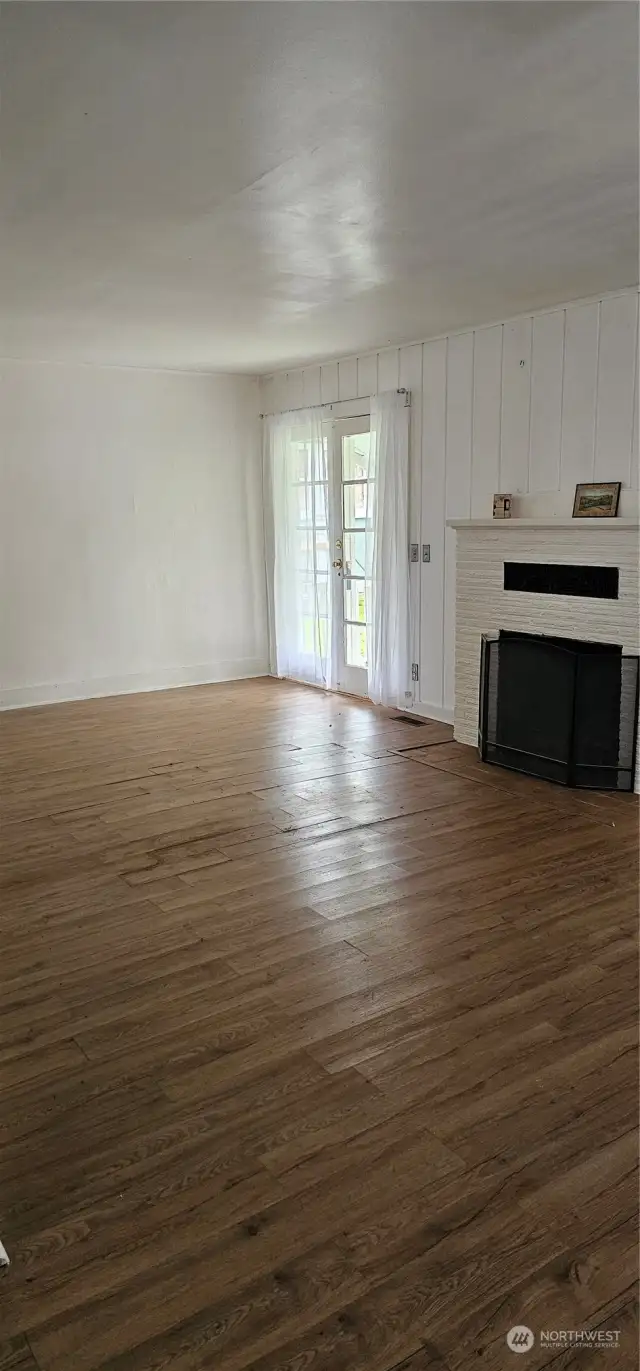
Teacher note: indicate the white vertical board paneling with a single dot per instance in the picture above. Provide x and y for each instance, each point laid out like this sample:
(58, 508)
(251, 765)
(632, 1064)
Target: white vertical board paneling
(410, 377)
(547, 368)
(516, 402)
(280, 392)
(434, 427)
(457, 482)
(267, 394)
(348, 379)
(329, 382)
(485, 458)
(368, 374)
(295, 390)
(388, 370)
(459, 425)
(579, 395)
(311, 386)
(616, 387)
(634, 480)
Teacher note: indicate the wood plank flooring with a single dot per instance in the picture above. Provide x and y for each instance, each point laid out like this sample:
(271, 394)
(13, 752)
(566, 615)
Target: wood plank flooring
(317, 1043)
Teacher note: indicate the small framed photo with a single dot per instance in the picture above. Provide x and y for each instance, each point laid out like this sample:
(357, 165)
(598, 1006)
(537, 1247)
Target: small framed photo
(599, 500)
(502, 506)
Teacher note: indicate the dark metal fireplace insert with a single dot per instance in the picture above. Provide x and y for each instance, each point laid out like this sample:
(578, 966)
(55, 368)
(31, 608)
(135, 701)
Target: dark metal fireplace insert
(559, 708)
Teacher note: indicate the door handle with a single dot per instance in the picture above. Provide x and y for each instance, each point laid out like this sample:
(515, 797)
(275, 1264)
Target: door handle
(338, 563)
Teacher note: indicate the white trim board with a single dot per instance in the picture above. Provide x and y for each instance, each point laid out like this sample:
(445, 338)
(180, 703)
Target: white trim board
(173, 678)
(430, 713)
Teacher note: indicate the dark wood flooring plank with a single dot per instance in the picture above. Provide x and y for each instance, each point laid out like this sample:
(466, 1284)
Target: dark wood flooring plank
(15, 1354)
(317, 1041)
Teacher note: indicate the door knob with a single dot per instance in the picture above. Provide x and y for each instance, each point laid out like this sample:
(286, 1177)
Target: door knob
(338, 563)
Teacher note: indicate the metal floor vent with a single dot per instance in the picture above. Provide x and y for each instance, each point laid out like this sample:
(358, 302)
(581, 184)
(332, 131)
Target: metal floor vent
(407, 719)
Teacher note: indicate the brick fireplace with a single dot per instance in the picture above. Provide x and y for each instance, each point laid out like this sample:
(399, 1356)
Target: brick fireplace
(587, 587)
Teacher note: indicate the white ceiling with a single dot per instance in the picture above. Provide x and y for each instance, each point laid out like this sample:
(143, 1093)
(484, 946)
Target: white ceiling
(242, 186)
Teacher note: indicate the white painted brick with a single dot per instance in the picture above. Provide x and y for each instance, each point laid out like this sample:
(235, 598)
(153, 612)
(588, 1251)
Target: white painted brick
(483, 606)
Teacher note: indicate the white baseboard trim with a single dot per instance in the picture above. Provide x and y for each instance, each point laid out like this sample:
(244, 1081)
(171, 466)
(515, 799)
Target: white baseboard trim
(170, 678)
(427, 711)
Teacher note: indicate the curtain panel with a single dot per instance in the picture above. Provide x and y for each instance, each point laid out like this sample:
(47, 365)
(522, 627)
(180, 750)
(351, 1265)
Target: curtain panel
(297, 544)
(389, 668)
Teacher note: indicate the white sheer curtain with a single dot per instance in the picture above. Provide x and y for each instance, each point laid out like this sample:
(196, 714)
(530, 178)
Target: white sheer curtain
(297, 542)
(389, 668)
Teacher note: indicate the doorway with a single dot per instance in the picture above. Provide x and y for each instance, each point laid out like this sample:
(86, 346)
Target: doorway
(351, 534)
(321, 549)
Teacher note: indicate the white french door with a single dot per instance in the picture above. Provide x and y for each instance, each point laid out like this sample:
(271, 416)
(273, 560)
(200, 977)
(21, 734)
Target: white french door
(320, 548)
(334, 487)
(351, 533)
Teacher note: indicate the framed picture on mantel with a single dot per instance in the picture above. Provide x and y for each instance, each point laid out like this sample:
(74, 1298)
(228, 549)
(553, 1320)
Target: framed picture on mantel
(599, 500)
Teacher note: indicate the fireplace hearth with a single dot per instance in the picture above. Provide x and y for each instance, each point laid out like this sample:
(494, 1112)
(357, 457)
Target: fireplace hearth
(562, 709)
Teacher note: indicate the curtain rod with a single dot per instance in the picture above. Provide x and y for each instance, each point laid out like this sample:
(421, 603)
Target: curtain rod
(327, 404)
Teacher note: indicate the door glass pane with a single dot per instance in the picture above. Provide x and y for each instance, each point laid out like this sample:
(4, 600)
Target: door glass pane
(355, 456)
(320, 462)
(355, 601)
(312, 505)
(357, 554)
(357, 511)
(322, 551)
(314, 595)
(304, 549)
(302, 461)
(355, 636)
(320, 495)
(309, 465)
(304, 506)
(315, 635)
(309, 542)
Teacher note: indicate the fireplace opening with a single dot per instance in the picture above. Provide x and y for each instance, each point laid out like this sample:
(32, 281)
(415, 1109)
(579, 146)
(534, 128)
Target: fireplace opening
(560, 708)
(549, 578)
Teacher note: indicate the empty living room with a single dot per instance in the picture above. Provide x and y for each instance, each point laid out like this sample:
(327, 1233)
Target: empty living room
(319, 685)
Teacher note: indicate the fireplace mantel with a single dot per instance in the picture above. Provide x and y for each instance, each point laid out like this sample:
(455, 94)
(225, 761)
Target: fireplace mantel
(579, 525)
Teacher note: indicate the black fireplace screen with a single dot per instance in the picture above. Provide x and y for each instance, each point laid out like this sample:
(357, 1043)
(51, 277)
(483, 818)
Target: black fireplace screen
(559, 708)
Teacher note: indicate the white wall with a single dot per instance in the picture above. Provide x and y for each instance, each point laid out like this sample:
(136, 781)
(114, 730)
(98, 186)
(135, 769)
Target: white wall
(531, 406)
(131, 531)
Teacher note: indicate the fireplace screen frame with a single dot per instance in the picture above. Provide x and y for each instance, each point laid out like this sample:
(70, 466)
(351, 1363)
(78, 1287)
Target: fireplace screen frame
(570, 768)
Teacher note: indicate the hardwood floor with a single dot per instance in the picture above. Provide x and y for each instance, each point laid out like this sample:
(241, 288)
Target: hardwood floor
(318, 1043)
